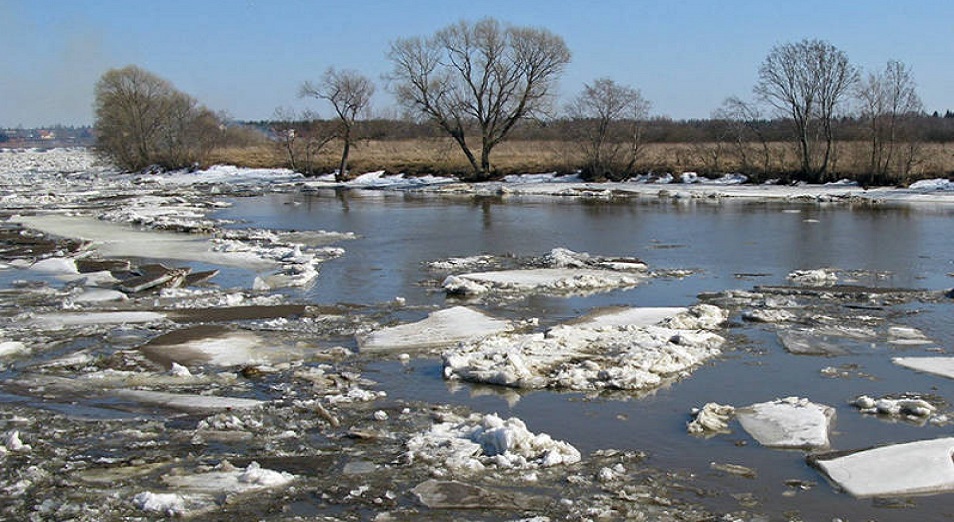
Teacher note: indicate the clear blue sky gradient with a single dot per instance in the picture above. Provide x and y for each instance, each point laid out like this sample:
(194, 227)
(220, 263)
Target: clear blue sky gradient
(248, 57)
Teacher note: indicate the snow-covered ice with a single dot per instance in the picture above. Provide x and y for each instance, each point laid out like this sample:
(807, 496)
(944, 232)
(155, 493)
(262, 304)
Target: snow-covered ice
(914, 468)
(791, 422)
(188, 402)
(611, 357)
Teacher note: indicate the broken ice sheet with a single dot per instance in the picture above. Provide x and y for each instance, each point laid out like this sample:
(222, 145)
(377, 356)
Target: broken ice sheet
(440, 329)
(913, 468)
(215, 345)
(791, 422)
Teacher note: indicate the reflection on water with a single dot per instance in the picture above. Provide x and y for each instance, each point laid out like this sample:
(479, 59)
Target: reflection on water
(729, 245)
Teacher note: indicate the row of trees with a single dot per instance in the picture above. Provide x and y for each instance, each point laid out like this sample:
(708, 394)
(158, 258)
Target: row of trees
(478, 83)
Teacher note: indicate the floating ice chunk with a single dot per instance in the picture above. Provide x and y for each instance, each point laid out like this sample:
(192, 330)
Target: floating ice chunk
(8, 348)
(578, 357)
(768, 315)
(484, 441)
(55, 265)
(943, 366)
(55, 321)
(170, 504)
(914, 468)
(209, 344)
(188, 402)
(895, 407)
(558, 280)
(791, 422)
(460, 263)
(99, 295)
(440, 329)
(907, 336)
(455, 285)
(230, 480)
(711, 418)
(817, 277)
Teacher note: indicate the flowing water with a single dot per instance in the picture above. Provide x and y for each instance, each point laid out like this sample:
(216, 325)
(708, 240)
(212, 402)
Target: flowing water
(726, 245)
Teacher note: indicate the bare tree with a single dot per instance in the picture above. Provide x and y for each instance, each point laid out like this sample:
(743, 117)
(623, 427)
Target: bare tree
(301, 138)
(479, 77)
(349, 93)
(889, 100)
(808, 81)
(743, 119)
(142, 120)
(609, 118)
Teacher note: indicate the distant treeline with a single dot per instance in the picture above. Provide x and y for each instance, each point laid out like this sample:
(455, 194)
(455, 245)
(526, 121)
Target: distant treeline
(931, 128)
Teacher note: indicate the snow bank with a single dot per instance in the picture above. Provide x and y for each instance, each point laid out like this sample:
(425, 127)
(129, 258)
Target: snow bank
(931, 185)
(440, 329)
(914, 468)
(478, 442)
(620, 357)
(791, 422)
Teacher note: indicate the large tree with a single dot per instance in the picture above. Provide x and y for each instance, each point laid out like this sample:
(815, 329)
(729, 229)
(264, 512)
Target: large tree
(609, 117)
(808, 81)
(889, 100)
(481, 78)
(349, 93)
(143, 121)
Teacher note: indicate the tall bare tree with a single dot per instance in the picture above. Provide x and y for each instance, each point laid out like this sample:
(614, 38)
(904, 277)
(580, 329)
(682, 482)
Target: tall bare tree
(889, 100)
(479, 77)
(808, 81)
(609, 117)
(142, 120)
(349, 93)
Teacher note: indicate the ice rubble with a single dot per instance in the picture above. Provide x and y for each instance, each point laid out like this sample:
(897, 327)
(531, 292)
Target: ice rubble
(595, 357)
(791, 422)
(913, 407)
(711, 419)
(481, 441)
(442, 328)
(913, 468)
(816, 277)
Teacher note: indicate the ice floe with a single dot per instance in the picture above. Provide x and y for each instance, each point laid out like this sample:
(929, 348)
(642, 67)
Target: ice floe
(188, 402)
(478, 442)
(904, 407)
(791, 422)
(943, 366)
(610, 357)
(913, 468)
(440, 329)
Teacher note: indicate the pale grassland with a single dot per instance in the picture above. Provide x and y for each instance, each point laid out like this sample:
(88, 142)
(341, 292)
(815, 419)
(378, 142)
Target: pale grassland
(442, 156)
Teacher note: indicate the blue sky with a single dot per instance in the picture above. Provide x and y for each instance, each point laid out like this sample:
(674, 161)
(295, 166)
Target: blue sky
(248, 57)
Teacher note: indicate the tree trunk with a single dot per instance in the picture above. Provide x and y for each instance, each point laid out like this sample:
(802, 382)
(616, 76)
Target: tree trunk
(345, 149)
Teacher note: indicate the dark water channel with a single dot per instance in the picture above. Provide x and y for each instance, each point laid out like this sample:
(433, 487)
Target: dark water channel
(727, 245)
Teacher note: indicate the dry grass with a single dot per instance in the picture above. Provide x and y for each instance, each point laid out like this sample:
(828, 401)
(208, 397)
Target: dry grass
(442, 156)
